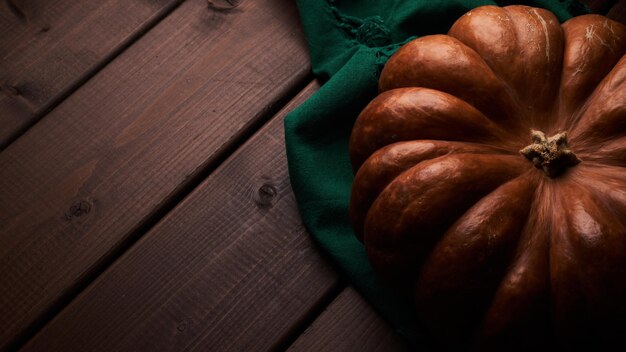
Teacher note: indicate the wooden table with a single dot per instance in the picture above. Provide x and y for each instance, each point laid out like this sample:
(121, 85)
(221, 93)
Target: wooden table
(145, 202)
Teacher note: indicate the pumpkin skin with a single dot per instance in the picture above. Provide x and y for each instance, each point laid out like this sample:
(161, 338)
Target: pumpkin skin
(497, 253)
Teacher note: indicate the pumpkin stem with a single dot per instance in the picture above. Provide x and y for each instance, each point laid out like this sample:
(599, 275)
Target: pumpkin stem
(550, 154)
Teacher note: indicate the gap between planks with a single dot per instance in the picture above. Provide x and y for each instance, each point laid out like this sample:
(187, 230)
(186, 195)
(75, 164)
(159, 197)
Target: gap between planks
(349, 323)
(167, 207)
(154, 219)
(114, 157)
(25, 100)
(231, 268)
(51, 49)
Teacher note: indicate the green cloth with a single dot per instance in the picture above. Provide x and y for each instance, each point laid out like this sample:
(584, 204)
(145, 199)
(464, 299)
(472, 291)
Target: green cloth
(349, 42)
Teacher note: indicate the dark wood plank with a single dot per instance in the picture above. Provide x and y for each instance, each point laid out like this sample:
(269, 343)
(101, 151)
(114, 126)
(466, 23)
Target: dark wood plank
(85, 181)
(47, 48)
(349, 324)
(618, 12)
(231, 268)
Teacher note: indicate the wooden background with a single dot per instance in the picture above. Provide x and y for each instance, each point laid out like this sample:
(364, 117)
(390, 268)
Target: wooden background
(145, 202)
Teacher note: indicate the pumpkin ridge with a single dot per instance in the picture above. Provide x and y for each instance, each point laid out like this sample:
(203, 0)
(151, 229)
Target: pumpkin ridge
(464, 75)
(582, 111)
(586, 63)
(468, 262)
(514, 120)
(495, 35)
(511, 91)
(436, 161)
(421, 113)
(605, 181)
(550, 65)
(525, 284)
(397, 207)
(592, 285)
(387, 163)
(609, 153)
(605, 113)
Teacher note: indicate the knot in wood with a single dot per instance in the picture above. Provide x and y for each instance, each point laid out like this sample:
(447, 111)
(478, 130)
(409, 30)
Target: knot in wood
(80, 208)
(265, 195)
(550, 154)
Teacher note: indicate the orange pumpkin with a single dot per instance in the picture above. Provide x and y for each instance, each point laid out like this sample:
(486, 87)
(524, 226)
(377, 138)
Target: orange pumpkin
(491, 183)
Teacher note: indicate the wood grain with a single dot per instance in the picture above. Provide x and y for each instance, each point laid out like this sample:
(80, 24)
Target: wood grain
(349, 324)
(231, 268)
(48, 48)
(85, 181)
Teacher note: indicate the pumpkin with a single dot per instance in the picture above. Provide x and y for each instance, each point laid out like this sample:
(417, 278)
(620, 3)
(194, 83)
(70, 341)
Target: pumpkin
(490, 180)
